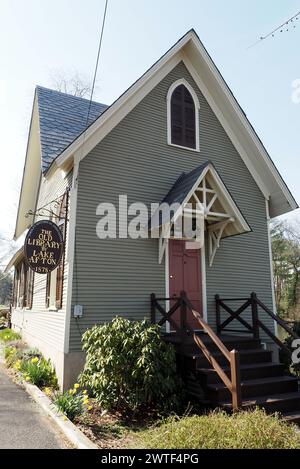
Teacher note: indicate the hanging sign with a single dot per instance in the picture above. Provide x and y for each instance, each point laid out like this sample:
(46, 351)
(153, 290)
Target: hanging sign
(44, 246)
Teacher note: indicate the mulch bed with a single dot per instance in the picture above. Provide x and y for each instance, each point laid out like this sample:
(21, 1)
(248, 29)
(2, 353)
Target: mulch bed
(114, 430)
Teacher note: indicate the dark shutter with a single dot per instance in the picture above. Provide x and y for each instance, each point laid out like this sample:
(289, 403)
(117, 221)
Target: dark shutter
(16, 285)
(48, 282)
(22, 291)
(30, 285)
(183, 118)
(59, 284)
(60, 268)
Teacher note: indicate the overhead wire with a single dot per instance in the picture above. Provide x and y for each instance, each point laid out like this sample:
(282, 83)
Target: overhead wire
(280, 28)
(84, 137)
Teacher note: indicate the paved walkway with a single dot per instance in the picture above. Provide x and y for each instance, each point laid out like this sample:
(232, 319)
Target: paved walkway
(22, 423)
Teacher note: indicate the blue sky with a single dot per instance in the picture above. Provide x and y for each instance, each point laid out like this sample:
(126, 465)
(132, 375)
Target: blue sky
(39, 38)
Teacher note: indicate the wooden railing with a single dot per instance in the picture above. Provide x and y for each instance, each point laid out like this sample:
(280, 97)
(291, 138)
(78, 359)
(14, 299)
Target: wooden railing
(183, 329)
(256, 324)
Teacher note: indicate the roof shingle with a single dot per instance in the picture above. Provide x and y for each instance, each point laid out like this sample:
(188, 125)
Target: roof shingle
(63, 117)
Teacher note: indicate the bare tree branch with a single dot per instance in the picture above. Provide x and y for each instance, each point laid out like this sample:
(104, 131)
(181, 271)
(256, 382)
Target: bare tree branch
(74, 83)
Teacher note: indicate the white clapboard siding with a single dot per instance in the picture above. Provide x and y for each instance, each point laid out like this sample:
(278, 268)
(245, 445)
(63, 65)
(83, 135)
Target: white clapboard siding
(39, 322)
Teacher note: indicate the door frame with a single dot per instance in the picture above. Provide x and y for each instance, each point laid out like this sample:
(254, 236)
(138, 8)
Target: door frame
(203, 280)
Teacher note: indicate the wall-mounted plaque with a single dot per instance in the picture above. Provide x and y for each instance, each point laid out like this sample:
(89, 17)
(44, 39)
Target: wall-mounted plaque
(44, 246)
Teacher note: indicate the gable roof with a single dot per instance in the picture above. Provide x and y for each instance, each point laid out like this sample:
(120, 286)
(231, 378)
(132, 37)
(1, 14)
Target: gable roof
(62, 118)
(184, 189)
(190, 50)
(59, 149)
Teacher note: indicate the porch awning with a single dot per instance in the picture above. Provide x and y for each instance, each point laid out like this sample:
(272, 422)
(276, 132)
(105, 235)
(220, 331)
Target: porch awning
(201, 194)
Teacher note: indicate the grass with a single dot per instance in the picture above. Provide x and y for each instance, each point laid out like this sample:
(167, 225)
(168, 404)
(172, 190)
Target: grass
(7, 335)
(218, 430)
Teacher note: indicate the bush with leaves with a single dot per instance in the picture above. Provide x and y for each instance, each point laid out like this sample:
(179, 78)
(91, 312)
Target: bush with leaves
(129, 366)
(7, 335)
(11, 355)
(285, 356)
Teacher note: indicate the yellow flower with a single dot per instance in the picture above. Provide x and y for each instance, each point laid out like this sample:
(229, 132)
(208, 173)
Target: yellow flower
(65, 417)
(90, 407)
(34, 360)
(85, 401)
(84, 392)
(72, 392)
(47, 391)
(76, 386)
(27, 378)
(17, 365)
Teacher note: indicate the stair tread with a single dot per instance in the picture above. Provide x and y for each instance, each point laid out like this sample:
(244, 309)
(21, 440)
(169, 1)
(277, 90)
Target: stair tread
(291, 415)
(260, 400)
(253, 382)
(227, 338)
(219, 354)
(246, 366)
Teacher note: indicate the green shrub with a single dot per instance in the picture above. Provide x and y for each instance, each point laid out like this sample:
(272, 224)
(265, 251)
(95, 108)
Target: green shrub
(7, 335)
(3, 322)
(218, 430)
(4, 311)
(29, 353)
(11, 355)
(285, 357)
(38, 371)
(129, 366)
(72, 403)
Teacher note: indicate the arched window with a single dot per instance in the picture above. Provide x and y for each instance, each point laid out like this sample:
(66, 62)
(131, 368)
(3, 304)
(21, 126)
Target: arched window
(183, 116)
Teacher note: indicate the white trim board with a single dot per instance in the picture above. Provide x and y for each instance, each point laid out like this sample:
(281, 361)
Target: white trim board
(174, 85)
(271, 267)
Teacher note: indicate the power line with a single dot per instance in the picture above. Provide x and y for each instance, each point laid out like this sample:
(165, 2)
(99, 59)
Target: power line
(97, 61)
(84, 135)
(291, 22)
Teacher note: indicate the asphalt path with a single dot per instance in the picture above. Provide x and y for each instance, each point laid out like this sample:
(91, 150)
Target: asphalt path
(22, 424)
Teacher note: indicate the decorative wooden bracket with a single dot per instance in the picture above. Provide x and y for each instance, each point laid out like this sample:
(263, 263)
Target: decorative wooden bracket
(215, 232)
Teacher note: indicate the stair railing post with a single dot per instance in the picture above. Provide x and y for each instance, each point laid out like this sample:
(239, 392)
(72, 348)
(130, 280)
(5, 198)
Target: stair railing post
(183, 314)
(153, 309)
(218, 314)
(183, 333)
(236, 390)
(254, 316)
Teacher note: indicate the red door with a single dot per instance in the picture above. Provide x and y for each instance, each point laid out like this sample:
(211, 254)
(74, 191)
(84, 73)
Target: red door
(185, 274)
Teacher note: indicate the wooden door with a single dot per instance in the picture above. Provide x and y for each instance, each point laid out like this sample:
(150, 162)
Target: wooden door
(185, 274)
